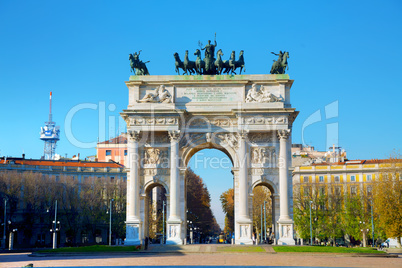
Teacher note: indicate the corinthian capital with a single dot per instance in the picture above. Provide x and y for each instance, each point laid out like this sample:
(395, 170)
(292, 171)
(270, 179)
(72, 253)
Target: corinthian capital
(174, 135)
(283, 134)
(134, 135)
(243, 134)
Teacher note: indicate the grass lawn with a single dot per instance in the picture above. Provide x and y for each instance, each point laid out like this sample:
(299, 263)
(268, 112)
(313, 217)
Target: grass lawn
(97, 248)
(326, 249)
(240, 249)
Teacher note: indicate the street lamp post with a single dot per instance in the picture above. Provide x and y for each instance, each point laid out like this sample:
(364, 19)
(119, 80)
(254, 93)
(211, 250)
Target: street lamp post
(110, 222)
(311, 227)
(372, 221)
(163, 222)
(265, 223)
(261, 227)
(5, 220)
(55, 222)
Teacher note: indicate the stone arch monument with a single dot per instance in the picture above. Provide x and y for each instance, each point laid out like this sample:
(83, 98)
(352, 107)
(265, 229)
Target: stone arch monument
(170, 118)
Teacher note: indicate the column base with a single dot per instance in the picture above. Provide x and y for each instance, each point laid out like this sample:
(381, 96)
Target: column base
(243, 235)
(174, 233)
(133, 231)
(285, 232)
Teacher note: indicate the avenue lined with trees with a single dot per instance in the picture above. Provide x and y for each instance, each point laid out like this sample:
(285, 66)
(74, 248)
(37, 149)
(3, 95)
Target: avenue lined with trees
(82, 210)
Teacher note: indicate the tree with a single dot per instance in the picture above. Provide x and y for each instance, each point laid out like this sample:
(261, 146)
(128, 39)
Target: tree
(199, 205)
(387, 193)
(227, 200)
(261, 194)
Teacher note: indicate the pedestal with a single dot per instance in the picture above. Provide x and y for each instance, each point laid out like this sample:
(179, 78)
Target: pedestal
(133, 231)
(286, 233)
(173, 233)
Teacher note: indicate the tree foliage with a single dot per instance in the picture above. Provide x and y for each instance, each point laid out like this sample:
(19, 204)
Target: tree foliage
(227, 201)
(199, 205)
(261, 194)
(82, 205)
(387, 191)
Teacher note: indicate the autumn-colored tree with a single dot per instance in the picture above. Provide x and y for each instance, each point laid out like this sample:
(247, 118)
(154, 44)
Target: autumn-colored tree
(199, 205)
(227, 201)
(261, 194)
(387, 191)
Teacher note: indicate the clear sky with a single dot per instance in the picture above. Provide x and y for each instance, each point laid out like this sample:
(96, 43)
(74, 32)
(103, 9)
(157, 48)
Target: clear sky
(345, 59)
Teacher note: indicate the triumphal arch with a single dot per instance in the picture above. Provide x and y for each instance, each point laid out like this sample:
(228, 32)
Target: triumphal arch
(170, 118)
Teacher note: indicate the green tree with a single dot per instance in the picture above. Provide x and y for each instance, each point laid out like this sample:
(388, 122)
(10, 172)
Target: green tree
(387, 191)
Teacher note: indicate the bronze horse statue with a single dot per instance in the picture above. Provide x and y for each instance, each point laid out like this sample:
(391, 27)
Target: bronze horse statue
(137, 66)
(219, 62)
(188, 65)
(231, 66)
(199, 63)
(279, 66)
(178, 63)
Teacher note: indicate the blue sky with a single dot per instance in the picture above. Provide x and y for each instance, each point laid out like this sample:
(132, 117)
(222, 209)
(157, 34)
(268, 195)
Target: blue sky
(345, 55)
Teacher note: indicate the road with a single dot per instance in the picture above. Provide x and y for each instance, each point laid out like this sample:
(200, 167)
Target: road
(10, 260)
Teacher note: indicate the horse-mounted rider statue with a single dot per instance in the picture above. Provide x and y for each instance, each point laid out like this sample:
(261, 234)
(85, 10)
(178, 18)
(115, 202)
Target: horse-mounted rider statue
(279, 66)
(137, 66)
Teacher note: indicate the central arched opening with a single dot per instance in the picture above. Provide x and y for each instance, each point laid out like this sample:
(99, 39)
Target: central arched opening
(155, 212)
(209, 181)
(263, 214)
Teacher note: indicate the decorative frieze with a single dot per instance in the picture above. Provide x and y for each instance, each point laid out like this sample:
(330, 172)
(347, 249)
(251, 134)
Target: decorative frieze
(152, 121)
(261, 137)
(263, 120)
(203, 122)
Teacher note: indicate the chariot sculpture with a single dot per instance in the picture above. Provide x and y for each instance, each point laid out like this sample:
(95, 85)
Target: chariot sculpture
(209, 65)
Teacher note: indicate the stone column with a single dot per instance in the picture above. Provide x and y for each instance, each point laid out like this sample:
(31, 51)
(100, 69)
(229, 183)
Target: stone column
(244, 222)
(133, 219)
(174, 221)
(285, 222)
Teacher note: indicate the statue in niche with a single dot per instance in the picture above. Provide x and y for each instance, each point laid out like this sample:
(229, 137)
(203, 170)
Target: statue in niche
(152, 156)
(161, 95)
(261, 95)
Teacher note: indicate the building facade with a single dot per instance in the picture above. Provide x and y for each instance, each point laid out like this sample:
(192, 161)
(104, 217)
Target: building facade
(114, 149)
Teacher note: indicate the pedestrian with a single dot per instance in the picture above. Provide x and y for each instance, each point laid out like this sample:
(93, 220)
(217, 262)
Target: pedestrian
(146, 242)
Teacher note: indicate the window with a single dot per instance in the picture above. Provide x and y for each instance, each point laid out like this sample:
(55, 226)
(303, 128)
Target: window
(111, 179)
(321, 179)
(353, 190)
(352, 178)
(108, 152)
(125, 152)
(368, 177)
(305, 179)
(337, 179)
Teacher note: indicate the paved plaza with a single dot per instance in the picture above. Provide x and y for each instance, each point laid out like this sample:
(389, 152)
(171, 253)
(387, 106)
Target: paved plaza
(197, 256)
